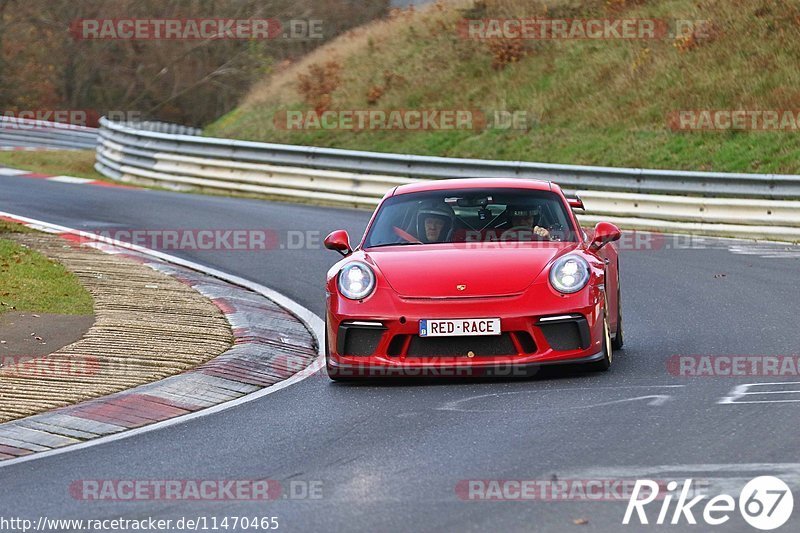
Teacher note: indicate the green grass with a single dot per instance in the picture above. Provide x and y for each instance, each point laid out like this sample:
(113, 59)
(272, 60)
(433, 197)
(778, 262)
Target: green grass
(78, 163)
(31, 282)
(13, 227)
(595, 102)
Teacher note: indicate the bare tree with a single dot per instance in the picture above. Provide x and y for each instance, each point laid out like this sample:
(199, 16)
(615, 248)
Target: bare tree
(190, 81)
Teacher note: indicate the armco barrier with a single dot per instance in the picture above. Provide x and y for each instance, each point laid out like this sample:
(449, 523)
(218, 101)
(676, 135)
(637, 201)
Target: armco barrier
(748, 205)
(24, 133)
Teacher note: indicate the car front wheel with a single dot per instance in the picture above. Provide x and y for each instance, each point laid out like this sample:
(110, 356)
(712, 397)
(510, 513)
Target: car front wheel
(619, 338)
(608, 352)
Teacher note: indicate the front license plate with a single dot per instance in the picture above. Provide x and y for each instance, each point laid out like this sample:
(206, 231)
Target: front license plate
(460, 327)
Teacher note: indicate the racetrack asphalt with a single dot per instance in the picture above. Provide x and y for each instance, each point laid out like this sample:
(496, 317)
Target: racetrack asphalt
(389, 456)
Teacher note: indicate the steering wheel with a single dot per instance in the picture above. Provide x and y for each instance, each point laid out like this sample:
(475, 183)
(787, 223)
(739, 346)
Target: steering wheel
(525, 231)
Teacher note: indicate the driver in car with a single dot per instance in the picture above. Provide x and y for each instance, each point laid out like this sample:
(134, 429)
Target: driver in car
(529, 219)
(435, 223)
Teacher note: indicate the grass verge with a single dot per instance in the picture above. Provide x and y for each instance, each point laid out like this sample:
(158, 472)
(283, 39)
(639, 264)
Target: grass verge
(31, 282)
(592, 102)
(78, 163)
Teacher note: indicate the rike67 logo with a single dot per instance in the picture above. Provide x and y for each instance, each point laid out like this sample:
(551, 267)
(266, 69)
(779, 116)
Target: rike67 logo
(766, 503)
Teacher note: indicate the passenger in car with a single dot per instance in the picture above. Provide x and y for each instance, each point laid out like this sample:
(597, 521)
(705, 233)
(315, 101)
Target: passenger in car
(529, 219)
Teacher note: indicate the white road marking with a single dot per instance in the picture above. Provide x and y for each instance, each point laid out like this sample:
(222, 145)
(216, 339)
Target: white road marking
(759, 248)
(767, 250)
(658, 399)
(32, 149)
(12, 172)
(655, 400)
(70, 179)
(314, 323)
(748, 389)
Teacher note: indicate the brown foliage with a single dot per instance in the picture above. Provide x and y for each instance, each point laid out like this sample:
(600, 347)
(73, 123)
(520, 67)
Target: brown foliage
(374, 94)
(318, 85)
(704, 32)
(505, 52)
(616, 6)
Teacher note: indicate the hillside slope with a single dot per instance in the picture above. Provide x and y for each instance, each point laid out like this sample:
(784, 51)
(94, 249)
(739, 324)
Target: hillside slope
(598, 102)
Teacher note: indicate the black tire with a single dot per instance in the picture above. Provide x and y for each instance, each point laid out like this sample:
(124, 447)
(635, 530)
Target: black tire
(608, 352)
(619, 338)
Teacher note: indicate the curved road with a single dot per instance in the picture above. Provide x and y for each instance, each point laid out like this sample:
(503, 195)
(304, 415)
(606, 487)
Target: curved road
(390, 456)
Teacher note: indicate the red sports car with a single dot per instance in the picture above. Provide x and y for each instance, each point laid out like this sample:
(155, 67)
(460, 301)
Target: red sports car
(473, 277)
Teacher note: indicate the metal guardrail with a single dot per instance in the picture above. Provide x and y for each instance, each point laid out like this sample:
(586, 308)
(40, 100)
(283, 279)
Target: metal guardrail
(752, 205)
(25, 133)
(772, 186)
(163, 127)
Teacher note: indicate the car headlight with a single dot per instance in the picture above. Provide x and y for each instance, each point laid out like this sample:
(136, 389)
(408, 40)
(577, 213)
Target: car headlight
(569, 274)
(356, 280)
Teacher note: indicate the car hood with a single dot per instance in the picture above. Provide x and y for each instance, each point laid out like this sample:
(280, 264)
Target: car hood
(440, 270)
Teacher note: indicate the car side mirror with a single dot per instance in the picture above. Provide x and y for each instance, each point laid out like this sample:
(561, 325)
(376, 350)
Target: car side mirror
(339, 240)
(604, 233)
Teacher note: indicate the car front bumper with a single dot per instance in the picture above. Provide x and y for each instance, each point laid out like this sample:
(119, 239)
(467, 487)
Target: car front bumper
(377, 369)
(380, 336)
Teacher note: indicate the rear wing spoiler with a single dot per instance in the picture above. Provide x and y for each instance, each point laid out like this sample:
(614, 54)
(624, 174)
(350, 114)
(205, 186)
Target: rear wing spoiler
(576, 203)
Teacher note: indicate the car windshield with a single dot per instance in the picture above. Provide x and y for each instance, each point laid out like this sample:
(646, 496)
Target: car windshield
(471, 215)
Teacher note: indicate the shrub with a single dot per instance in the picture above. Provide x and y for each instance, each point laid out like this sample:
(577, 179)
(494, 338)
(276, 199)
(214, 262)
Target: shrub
(318, 85)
